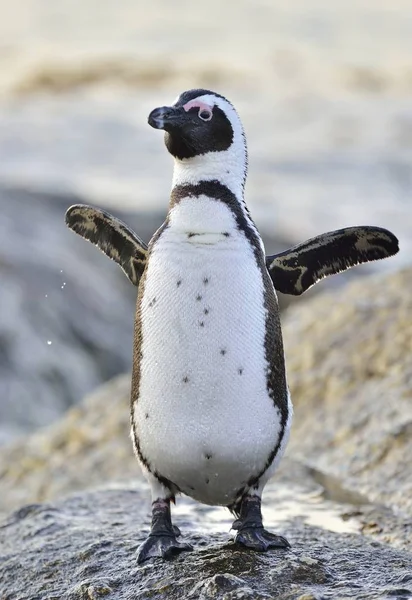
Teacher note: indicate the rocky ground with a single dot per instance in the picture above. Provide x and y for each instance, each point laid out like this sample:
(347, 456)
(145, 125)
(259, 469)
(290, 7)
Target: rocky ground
(84, 548)
(66, 313)
(342, 496)
(349, 359)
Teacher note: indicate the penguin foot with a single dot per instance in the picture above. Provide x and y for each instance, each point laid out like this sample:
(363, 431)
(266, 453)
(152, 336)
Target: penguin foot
(161, 542)
(250, 530)
(257, 538)
(163, 546)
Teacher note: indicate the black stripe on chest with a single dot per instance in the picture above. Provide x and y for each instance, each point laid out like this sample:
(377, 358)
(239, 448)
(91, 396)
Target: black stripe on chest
(275, 375)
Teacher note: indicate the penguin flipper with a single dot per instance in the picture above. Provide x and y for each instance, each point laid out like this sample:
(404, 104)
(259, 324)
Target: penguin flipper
(112, 236)
(295, 270)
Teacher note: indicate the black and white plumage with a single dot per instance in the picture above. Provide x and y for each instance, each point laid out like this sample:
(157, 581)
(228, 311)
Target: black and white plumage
(112, 236)
(296, 270)
(210, 406)
(189, 326)
(292, 271)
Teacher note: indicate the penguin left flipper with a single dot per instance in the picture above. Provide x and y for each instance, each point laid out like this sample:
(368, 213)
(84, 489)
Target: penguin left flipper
(295, 270)
(112, 236)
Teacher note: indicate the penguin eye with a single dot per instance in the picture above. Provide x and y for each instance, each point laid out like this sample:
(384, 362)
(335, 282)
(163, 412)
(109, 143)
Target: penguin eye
(205, 115)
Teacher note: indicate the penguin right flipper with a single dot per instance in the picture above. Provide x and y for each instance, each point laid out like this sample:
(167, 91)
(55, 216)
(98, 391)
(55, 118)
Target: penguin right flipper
(295, 270)
(112, 236)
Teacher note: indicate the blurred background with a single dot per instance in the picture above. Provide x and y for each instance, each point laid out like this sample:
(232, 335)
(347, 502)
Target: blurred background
(324, 89)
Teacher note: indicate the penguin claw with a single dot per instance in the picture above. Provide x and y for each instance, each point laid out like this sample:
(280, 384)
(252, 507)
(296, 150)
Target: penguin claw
(161, 546)
(257, 538)
(176, 531)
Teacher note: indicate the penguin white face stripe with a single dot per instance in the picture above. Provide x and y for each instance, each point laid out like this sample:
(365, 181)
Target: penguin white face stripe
(197, 104)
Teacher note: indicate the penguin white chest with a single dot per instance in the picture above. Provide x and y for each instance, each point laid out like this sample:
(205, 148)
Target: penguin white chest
(203, 416)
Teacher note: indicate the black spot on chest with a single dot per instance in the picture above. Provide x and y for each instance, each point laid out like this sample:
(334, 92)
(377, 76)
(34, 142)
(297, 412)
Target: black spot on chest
(275, 377)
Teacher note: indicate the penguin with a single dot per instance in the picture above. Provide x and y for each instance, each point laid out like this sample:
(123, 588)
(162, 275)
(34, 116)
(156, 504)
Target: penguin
(292, 271)
(210, 406)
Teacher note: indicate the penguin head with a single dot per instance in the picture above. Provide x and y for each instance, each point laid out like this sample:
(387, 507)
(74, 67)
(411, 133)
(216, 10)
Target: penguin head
(203, 129)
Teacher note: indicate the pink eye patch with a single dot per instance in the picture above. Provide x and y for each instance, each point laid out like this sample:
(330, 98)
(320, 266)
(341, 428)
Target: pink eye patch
(197, 104)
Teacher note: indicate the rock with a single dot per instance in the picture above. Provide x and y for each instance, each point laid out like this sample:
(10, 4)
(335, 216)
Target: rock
(87, 447)
(84, 548)
(66, 312)
(350, 373)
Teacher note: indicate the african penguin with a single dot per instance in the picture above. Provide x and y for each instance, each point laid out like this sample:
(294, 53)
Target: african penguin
(210, 406)
(211, 411)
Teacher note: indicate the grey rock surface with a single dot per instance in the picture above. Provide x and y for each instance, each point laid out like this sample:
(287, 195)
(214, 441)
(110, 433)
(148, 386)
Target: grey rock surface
(349, 360)
(66, 312)
(87, 447)
(84, 548)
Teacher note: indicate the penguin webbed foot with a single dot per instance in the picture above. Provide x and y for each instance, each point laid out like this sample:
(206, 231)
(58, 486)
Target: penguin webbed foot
(250, 530)
(160, 545)
(161, 541)
(257, 538)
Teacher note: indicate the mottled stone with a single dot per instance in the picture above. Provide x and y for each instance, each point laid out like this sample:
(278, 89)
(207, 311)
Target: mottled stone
(66, 311)
(349, 357)
(85, 548)
(89, 446)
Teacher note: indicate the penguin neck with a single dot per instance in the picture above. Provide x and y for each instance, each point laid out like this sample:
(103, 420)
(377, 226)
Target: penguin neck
(229, 168)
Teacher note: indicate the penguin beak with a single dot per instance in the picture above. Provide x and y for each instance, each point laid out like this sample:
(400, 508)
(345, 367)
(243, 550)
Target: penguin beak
(165, 117)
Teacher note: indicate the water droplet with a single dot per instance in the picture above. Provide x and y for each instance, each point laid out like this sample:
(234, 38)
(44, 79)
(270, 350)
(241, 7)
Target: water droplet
(61, 270)
(45, 295)
(49, 343)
